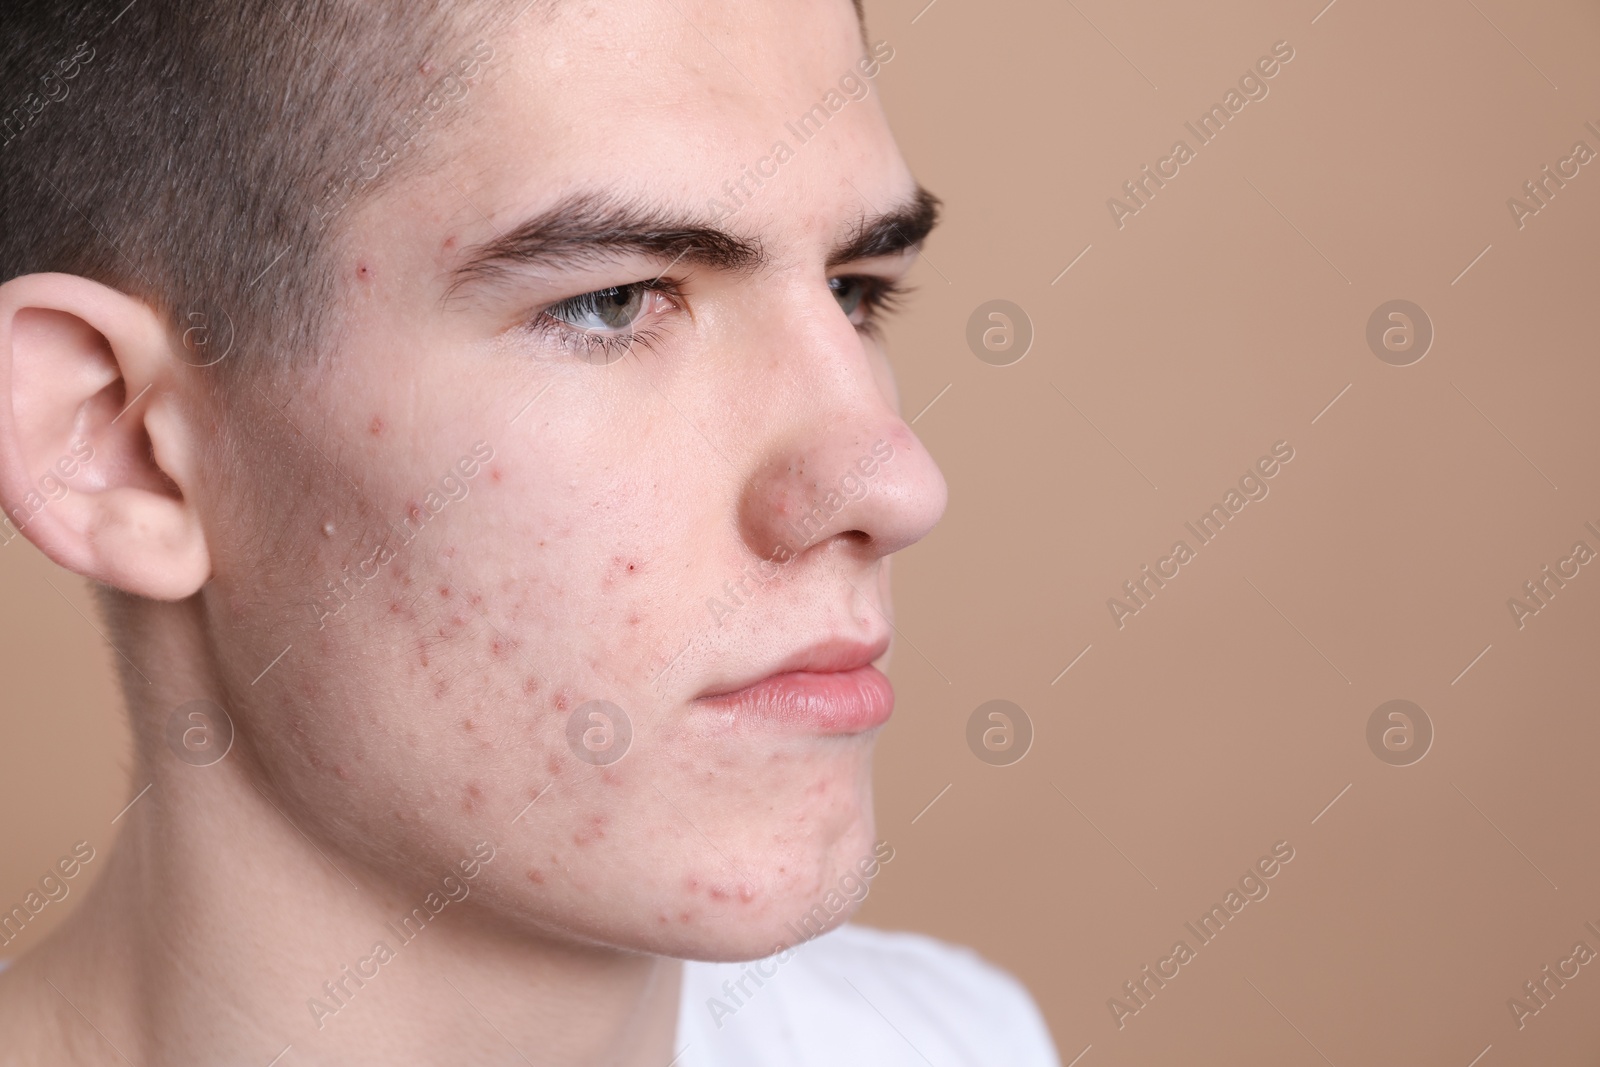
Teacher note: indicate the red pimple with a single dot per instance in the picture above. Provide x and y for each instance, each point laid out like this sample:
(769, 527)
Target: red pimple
(468, 725)
(471, 798)
(536, 876)
(495, 476)
(444, 591)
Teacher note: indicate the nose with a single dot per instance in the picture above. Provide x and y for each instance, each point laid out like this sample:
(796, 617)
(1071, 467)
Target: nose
(837, 462)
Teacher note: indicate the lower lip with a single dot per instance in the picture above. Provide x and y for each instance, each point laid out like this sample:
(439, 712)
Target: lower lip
(835, 702)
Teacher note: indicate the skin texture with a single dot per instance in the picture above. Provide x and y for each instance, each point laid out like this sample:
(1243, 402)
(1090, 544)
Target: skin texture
(428, 714)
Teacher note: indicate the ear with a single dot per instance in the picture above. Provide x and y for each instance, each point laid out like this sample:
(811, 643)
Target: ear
(97, 459)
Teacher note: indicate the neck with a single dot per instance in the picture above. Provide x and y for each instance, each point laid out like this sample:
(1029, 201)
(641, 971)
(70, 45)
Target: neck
(218, 932)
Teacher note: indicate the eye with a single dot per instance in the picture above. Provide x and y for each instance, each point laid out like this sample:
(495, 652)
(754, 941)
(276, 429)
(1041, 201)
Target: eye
(616, 309)
(862, 298)
(604, 325)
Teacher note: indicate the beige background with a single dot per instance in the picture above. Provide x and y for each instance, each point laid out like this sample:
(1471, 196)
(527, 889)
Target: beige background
(1227, 715)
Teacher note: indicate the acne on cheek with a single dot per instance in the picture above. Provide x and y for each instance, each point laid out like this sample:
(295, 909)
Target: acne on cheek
(593, 829)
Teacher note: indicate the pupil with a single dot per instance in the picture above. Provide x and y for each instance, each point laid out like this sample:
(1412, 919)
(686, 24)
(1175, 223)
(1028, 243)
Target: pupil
(618, 306)
(847, 292)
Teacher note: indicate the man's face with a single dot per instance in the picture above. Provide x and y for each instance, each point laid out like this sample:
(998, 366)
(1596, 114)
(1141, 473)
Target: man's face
(679, 488)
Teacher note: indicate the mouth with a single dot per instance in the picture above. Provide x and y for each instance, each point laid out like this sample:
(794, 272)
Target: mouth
(830, 688)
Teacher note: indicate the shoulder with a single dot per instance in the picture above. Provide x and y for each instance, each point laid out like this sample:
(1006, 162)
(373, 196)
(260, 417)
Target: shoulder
(858, 995)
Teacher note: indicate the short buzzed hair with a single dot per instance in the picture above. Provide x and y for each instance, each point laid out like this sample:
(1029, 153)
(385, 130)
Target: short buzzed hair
(198, 155)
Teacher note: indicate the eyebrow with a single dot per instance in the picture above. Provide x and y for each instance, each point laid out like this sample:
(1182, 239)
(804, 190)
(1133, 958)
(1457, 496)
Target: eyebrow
(587, 229)
(897, 230)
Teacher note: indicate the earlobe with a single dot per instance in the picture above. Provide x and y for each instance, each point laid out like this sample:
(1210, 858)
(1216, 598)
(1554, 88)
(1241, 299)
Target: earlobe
(97, 458)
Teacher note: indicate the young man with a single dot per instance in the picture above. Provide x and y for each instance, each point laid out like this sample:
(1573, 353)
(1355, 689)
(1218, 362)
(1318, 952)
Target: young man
(474, 420)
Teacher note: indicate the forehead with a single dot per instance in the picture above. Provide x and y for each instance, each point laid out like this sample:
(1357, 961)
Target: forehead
(667, 100)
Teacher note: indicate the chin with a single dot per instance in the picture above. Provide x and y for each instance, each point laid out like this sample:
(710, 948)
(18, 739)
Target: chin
(799, 896)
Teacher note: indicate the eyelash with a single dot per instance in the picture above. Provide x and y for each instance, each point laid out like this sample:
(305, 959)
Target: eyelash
(881, 297)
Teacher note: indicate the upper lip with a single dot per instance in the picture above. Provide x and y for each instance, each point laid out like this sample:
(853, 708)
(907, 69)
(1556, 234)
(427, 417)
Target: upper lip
(824, 657)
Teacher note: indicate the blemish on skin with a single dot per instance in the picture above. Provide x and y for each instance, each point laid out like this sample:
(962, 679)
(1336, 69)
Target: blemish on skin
(468, 725)
(746, 894)
(497, 647)
(363, 272)
(444, 592)
(376, 426)
(422, 658)
(440, 690)
(472, 798)
(327, 531)
(495, 475)
(595, 832)
(717, 894)
(530, 685)
(535, 876)
(561, 702)
(427, 67)
(475, 599)
(338, 769)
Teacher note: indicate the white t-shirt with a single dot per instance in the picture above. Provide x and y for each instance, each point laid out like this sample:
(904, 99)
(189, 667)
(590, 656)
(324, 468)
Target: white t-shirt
(857, 996)
(860, 996)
